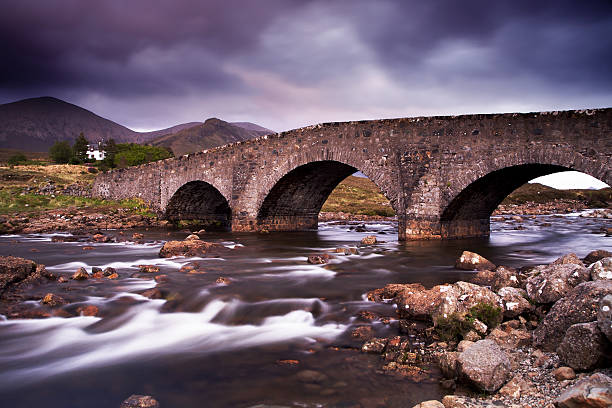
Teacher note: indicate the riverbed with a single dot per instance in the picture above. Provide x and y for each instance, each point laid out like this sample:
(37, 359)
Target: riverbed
(279, 331)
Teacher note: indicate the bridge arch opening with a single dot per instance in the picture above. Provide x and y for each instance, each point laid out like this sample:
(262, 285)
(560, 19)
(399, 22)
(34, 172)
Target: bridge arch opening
(202, 204)
(295, 201)
(468, 213)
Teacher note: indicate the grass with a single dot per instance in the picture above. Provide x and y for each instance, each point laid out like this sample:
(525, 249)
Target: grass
(12, 200)
(358, 195)
(456, 325)
(37, 175)
(539, 193)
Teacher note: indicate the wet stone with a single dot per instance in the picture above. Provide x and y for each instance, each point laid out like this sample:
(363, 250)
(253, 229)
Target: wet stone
(140, 401)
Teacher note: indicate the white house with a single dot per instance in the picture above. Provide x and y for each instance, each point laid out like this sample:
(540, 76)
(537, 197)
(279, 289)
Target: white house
(96, 151)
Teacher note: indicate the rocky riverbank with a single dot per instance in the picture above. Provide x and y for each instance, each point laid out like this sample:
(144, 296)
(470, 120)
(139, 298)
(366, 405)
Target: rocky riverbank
(530, 337)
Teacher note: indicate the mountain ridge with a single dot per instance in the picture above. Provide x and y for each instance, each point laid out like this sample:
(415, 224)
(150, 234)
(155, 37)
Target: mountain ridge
(35, 124)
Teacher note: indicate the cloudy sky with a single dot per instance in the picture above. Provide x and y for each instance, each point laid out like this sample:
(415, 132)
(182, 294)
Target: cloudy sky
(149, 64)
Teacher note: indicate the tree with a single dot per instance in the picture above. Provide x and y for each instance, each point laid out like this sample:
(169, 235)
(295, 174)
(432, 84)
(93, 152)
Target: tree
(110, 149)
(61, 152)
(17, 158)
(80, 148)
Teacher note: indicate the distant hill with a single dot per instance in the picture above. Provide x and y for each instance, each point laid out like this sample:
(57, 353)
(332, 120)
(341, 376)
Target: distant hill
(252, 126)
(162, 132)
(35, 124)
(539, 193)
(214, 132)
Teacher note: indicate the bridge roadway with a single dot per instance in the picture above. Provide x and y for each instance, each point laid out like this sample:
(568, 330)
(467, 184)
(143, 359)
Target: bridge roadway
(443, 175)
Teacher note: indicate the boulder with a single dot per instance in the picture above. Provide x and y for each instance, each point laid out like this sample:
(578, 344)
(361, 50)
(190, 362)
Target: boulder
(549, 283)
(192, 236)
(564, 373)
(568, 259)
(140, 401)
(374, 346)
(148, 268)
(442, 300)
(318, 259)
(594, 392)
(509, 338)
(369, 240)
(485, 365)
(192, 247)
(80, 274)
(604, 316)
(583, 347)
(580, 305)
(15, 272)
(502, 276)
(471, 261)
(601, 269)
(429, 404)
(447, 361)
(596, 255)
(517, 386)
(514, 301)
(109, 271)
(311, 376)
(51, 299)
(393, 290)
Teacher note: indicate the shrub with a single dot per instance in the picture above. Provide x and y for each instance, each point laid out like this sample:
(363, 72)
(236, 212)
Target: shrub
(453, 327)
(92, 170)
(487, 313)
(17, 158)
(61, 152)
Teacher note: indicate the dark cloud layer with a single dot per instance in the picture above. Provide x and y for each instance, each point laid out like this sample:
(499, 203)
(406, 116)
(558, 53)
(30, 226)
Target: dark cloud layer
(152, 63)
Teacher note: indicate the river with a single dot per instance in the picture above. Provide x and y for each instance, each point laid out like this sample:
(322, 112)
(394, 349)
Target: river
(250, 341)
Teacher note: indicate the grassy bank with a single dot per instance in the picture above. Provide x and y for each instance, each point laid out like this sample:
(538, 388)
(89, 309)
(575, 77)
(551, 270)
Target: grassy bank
(358, 195)
(15, 181)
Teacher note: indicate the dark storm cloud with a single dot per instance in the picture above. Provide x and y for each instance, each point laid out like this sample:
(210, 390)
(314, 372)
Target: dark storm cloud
(289, 63)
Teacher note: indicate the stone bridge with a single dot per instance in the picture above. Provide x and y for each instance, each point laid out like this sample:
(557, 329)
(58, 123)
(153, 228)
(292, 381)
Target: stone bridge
(444, 176)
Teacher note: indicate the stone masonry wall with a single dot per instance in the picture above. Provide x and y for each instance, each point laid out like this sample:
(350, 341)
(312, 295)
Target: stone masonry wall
(422, 165)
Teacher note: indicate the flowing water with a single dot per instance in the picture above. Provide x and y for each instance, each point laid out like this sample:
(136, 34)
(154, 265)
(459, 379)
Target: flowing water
(232, 345)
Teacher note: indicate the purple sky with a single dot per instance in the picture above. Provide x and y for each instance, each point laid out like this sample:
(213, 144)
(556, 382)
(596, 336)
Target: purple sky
(149, 64)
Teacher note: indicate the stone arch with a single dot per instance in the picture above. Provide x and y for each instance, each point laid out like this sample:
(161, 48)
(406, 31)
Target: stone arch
(295, 198)
(466, 208)
(201, 201)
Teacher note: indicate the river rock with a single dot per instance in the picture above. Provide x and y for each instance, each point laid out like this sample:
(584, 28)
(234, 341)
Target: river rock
(393, 290)
(447, 361)
(583, 347)
(192, 236)
(581, 305)
(456, 401)
(549, 283)
(502, 276)
(80, 274)
(192, 247)
(564, 373)
(311, 376)
(318, 259)
(596, 255)
(374, 346)
(594, 392)
(568, 259)
(140, 401)
(604, 316)
(369, 240)
(471, 261)
(100, 238)
(108, 271)
(429, 404)
(16, 272)
(485, 365)
(415, 302)
(514, 301)
(51, 299)
(509, 338)
(517, 386)
(602, 269)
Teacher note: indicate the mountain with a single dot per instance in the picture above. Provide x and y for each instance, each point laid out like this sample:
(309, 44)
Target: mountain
(214, 132)
(162, 132)
(35, 124)
(252, 126)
